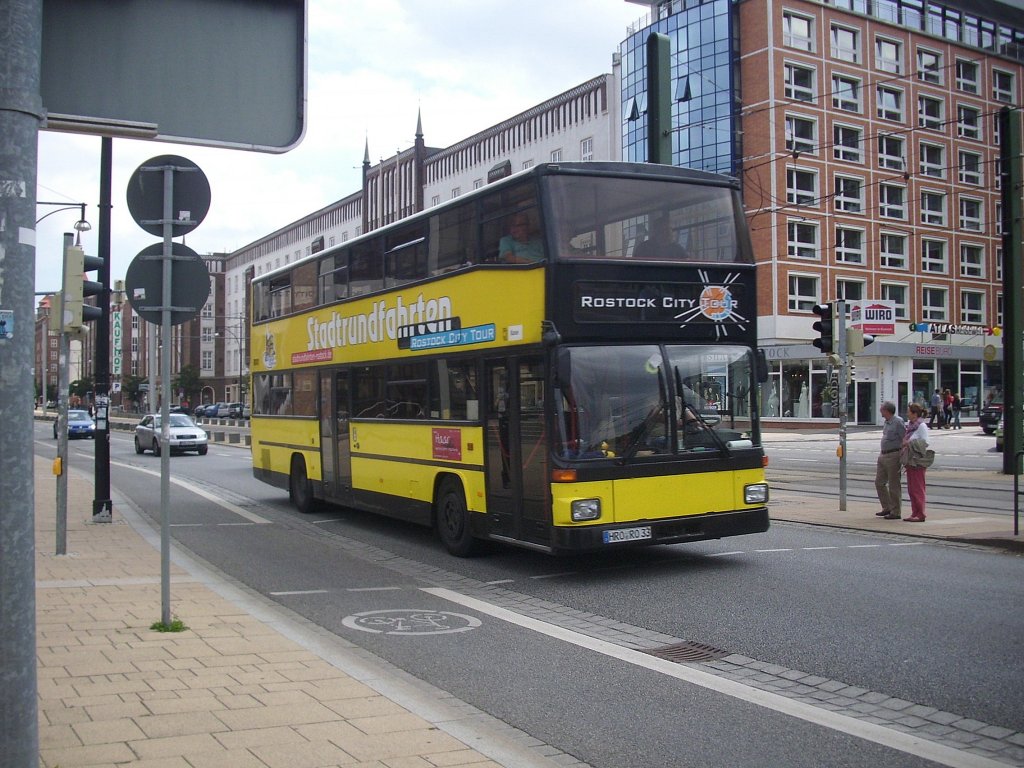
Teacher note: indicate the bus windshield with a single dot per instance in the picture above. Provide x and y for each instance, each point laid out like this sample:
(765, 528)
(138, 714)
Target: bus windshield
(645, 400)
(625, 218)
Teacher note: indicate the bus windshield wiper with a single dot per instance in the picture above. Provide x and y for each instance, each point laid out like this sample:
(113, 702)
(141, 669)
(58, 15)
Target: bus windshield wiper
(697, 418)
(641, 432)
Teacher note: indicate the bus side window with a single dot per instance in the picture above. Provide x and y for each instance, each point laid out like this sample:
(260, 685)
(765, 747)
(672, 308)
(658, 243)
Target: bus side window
(366, 268)
(452, 239)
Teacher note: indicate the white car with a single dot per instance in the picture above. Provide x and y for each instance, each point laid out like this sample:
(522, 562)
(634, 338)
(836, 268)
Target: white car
(186, 435)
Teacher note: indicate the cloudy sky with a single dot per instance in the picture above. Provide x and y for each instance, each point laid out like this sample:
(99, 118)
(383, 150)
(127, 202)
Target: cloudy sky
(466, 63)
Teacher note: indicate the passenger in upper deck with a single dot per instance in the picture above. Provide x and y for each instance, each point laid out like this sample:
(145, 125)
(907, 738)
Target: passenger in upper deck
(660, 246)
(521, 245)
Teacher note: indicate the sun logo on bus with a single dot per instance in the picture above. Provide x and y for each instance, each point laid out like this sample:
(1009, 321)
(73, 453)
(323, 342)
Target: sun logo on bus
(717, 304)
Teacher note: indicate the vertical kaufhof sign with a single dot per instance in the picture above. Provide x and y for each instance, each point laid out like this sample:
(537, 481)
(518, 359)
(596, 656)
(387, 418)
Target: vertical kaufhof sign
(874, 317)
(117, 335)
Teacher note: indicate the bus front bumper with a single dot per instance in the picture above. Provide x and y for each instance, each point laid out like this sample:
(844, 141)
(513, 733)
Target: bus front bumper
(672, 531)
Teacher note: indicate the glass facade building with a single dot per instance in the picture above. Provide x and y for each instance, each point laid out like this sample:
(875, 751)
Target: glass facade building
(704, 86)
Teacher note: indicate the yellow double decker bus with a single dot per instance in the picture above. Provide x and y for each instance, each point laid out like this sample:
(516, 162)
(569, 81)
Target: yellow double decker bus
(564, 360)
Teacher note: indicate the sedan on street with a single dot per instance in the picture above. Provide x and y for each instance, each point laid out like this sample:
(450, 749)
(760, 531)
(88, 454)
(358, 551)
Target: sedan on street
(80, 424)
(186, 435)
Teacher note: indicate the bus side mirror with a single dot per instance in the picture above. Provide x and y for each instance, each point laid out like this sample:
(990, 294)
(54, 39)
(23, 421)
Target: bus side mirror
(761, 367)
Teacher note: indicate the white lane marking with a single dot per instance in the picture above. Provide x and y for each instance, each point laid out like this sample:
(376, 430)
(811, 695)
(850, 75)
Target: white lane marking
(300, 592)
(723, 554)
(329, 520)
(887, 737)
(555, 575)
(250, 516)
(862, 546)
(783, 549)
(374, 589)
(810, 549)
(908, 544)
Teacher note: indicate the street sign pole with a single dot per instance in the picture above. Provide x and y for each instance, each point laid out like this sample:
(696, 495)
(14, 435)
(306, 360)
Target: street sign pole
(840, 337)
(102, 506)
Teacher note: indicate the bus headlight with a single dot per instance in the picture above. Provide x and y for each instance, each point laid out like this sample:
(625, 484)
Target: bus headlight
(586, 509)
(755, 494)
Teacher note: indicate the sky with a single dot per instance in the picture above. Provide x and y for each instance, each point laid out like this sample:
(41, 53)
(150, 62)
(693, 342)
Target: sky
(466, 64)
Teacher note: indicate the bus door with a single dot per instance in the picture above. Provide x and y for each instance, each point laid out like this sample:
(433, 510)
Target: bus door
(335, 455)
(517, 458)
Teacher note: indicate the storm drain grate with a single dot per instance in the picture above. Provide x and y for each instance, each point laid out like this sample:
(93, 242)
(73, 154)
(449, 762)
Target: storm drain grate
(682, 652)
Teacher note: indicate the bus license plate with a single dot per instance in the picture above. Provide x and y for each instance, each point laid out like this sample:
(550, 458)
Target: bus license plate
(627, 534)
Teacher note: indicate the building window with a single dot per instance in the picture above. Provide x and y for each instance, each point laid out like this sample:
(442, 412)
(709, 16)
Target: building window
(456, 192)
(890, 103)
(999, 309)
(206, 334)
(892, 251)
(933, 256)
(891, 152)
(801, 134)
(556, 156)
(933, 208)
(478, 183)
(972, 307)
(801, 187)
(849, 245)
(846, 142)
(850, 290)
(999, 264)
(968, 122)
(799, 82)
(797, 31)
(845, 44)
(802, 239)
(972, 260)
(1002, 86)
(888, 55)
(970, 168)
(929, 112)
(846, 93)
(849, 194)
(967, 76)
(929, 66)
(897, 294)
(892, 201)
(435, 200)
(527, 164)
(587, 150)
(206, 361)
(971, 214)
(803, 292)
(999, 218)
(933, 304)
(933, 160)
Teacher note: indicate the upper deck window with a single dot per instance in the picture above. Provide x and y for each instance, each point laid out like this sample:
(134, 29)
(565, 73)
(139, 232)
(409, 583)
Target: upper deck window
(606, 218)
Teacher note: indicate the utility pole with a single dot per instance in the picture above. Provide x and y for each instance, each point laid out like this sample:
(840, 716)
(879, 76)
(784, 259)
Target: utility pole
(844, 384)
(102, 507)
(20, 113)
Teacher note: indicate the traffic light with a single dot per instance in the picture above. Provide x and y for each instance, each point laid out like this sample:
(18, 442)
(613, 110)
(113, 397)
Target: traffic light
(856, 340)
(76, 287)
(825, 327)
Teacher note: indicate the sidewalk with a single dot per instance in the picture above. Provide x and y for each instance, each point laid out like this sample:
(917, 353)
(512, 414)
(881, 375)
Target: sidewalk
(250, 685)
(233, 691)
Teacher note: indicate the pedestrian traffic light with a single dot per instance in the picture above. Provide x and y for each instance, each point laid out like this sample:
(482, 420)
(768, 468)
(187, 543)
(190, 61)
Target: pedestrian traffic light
(825, 327)
(76, 287)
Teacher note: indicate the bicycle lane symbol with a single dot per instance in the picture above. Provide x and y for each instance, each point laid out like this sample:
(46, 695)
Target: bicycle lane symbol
(410, 621)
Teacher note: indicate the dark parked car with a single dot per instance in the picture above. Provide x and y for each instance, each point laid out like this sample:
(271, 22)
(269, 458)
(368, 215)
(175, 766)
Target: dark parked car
(80, 424)
(216, 411)
(200, 410)
(186, 435)
(990, 415)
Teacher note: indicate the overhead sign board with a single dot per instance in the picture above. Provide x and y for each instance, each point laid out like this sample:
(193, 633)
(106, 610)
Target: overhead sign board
(221, 73)
(876, 316)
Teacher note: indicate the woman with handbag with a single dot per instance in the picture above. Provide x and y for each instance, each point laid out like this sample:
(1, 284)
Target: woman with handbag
(915, 458)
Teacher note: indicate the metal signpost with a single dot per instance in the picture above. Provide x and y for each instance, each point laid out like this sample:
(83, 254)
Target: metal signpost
(171, 298)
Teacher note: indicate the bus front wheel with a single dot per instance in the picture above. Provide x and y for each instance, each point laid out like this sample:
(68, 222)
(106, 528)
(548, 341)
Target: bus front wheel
(300, 489)
(452, 519)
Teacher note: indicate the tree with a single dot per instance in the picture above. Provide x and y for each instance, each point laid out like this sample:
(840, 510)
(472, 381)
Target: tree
(81, 387)
(131, 389)
(189, 382)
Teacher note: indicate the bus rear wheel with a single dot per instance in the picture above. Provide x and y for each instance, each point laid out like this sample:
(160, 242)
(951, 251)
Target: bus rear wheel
(300, 489)
(452, 520)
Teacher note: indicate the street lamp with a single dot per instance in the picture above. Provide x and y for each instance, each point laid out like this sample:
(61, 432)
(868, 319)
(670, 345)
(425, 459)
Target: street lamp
(80, 226)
